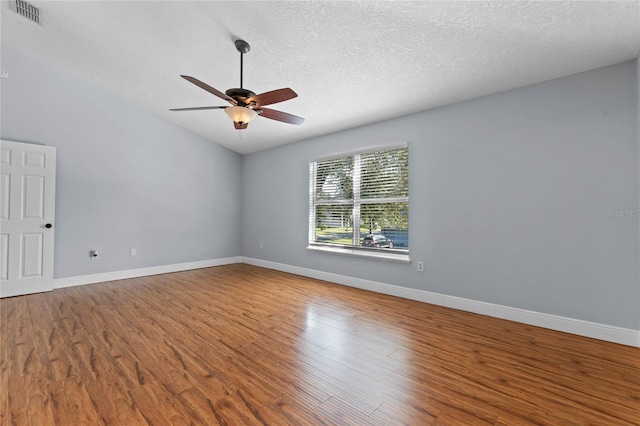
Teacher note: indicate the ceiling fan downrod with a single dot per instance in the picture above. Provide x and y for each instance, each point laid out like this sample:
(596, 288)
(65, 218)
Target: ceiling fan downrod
(242, 47)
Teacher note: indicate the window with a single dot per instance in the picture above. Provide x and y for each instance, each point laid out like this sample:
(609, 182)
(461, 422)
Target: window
(359, 204)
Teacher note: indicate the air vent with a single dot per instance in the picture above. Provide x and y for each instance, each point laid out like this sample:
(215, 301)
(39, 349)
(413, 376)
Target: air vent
(28, 10)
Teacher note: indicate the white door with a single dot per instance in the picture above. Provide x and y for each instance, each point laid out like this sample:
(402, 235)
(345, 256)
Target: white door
(27, 208)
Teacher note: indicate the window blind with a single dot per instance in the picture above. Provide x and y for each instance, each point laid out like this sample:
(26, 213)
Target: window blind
(361, 201)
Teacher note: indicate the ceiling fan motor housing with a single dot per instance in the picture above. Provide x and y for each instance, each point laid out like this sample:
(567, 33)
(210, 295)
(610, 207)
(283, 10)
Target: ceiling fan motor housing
(240, 95)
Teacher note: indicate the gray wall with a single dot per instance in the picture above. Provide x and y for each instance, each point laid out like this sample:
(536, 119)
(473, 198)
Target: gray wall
(508, 203)
(125, 177)
(638, 168)
(509, 192)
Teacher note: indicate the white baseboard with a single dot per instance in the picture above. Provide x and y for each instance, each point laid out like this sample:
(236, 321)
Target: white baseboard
(624, 336)
(142, 272)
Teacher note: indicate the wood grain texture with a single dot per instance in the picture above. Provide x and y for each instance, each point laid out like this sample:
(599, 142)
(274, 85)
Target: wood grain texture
(242, 345)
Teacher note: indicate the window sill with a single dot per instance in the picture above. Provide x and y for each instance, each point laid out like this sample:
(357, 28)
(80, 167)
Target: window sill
(386, 256)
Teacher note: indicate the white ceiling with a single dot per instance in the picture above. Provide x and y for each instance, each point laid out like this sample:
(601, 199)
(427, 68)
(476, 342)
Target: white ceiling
(351, 62)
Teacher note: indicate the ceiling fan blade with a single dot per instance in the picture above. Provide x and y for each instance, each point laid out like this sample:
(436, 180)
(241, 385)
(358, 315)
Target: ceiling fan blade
(281, 116)
(209, 89)
(240, 126)
(272, 97)
(197, 108)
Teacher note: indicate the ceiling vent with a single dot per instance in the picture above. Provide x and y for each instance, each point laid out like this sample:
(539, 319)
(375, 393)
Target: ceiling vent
(28, 10)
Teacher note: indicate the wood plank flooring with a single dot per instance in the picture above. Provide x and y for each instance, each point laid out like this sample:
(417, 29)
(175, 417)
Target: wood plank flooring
(241, 345)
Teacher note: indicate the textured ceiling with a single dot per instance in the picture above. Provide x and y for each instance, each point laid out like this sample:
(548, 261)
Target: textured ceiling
(351, 62)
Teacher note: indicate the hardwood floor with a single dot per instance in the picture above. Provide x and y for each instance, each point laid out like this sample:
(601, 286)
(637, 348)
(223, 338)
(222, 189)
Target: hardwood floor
(241, 345)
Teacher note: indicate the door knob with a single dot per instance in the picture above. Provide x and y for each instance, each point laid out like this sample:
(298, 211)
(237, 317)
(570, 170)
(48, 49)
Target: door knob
(48, 225)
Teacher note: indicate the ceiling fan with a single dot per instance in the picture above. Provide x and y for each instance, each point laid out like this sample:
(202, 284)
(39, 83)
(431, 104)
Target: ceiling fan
(245, 104)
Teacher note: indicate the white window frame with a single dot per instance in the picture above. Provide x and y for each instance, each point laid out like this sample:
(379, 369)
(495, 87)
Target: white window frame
(354, 249)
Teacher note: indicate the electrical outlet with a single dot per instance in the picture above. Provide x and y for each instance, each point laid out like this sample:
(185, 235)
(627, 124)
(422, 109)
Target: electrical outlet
(260, 245)
(420, 266)
(134, 252)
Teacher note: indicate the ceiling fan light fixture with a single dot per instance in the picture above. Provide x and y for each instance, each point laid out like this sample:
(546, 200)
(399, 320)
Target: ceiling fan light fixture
(240, 114)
